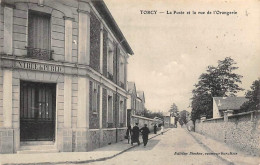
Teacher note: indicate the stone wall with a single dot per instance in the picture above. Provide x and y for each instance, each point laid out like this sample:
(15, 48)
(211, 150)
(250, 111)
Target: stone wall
(109, 136)
(143, 120)
(94, 141)
(240, 131)
(6, 140)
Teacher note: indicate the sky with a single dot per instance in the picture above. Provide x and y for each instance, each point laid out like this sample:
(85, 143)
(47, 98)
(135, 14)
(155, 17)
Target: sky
(171, 51)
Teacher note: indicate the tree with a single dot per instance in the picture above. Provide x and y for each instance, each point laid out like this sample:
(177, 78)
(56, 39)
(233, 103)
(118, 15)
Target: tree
(219, 81)
(174, 110)
(183, 117)
(253, 97)
(150, 114)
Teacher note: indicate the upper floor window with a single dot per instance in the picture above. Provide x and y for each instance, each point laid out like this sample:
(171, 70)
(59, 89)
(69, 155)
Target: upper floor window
(110, 61)
(39, 35)
(122, 72)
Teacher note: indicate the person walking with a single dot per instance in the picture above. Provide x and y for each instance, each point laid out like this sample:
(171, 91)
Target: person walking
(155, 129)
(162, 129)
(128, 133)
(135, 134)
(145, 131)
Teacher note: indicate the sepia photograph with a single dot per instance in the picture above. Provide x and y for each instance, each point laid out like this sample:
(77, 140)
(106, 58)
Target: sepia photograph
(130, 82)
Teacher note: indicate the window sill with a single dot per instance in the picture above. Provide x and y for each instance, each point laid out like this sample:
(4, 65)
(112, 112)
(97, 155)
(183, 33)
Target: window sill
(94, 113)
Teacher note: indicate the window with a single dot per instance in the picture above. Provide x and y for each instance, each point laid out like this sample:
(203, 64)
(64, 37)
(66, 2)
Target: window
(95, 98)
(110, 109)
(121, 112)
(110, 61)
(39, 35)
(122, 72)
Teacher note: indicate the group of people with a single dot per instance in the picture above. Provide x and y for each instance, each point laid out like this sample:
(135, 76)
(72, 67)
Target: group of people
(155, 129)
(133, 134)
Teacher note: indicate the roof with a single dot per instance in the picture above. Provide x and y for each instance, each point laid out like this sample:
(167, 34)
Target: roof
(140, 94)
(110, 21)
(131, 87)
(232, 103)
(166, 114)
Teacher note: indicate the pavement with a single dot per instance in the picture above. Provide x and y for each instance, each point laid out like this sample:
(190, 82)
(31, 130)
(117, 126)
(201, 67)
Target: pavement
(227, 153)
(99, 154)
(165, 149)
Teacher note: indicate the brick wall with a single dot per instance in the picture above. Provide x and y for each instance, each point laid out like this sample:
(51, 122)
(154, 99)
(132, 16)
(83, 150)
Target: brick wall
(109, 136)
(94, 141)
(240, 131)
(94, 42)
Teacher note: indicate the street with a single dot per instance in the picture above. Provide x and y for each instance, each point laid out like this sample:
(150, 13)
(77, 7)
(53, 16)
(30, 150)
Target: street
(174, 147)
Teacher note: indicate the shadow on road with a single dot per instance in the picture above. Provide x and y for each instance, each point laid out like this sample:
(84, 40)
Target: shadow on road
(150, 145)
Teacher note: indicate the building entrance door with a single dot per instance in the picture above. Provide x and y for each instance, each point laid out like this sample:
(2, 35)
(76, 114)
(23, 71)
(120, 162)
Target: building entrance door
(37, 111)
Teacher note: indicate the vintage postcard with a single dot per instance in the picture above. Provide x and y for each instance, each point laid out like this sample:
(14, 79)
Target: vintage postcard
(130, 82)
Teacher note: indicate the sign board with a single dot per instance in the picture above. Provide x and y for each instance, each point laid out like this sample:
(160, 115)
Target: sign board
(38, 66)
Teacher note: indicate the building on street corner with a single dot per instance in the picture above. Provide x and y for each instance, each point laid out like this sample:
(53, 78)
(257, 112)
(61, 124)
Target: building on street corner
(63, 74)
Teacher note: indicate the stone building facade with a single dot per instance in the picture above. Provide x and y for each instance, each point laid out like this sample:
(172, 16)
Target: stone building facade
(63, 68)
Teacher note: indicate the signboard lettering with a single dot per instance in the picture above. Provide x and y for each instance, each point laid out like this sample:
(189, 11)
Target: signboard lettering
(38, 66)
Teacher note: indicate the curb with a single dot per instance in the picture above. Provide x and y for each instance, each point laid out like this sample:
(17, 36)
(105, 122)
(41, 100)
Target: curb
(210, 150)
(86, 161)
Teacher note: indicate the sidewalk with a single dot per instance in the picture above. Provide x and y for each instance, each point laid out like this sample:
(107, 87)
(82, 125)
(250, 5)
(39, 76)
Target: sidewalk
(217, 147)
(99, 154)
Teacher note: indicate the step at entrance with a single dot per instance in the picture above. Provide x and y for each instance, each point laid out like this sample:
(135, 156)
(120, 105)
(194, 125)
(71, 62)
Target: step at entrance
(37, 147)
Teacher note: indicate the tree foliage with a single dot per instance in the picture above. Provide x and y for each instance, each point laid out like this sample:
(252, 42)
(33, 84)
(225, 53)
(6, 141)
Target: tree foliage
(150, 114)
(253, 97)
(183, 117)
(219, 81)
(174, 112)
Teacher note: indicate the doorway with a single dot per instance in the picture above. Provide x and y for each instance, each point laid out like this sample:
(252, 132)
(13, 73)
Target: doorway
(37, 111)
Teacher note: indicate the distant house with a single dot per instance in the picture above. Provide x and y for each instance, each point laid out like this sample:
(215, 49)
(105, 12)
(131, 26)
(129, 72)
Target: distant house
(140, 103)
(131, 101)
(167, 119)
(221, 104)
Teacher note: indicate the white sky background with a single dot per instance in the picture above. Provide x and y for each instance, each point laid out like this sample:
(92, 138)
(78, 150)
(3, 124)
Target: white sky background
(171, 51)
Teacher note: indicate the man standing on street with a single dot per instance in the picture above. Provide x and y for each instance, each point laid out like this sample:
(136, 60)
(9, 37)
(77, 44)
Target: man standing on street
(155, 129)
(145, 131)
(135, 134)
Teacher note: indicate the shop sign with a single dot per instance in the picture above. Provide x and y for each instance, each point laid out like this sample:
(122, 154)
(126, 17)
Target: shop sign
(38, 66)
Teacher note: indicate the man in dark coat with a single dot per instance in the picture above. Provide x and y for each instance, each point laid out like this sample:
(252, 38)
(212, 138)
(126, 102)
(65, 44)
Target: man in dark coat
(155, 129)
(135, 134)
(145, 131)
